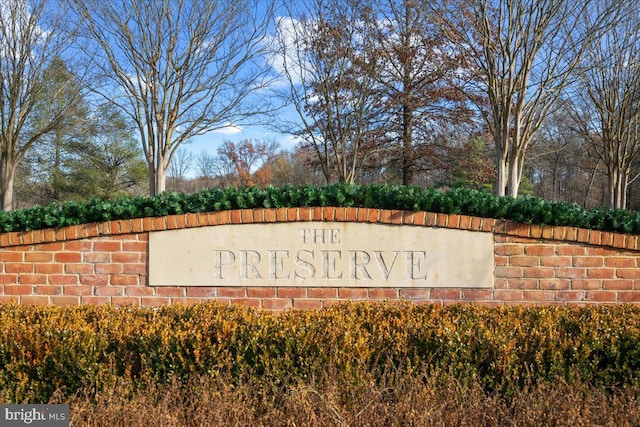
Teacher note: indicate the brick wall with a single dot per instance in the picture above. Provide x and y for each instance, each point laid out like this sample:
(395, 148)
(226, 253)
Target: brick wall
(107, 263)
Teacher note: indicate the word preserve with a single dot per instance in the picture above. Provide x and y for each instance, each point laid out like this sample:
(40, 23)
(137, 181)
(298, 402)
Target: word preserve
(316, 254)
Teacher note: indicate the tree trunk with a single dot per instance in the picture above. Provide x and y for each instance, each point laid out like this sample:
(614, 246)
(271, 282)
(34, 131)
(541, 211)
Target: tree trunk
(8, 176)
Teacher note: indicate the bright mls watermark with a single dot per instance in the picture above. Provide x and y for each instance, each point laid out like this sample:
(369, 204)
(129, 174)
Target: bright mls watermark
(34, 415)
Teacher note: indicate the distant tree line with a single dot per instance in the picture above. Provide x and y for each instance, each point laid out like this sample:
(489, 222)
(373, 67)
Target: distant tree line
(512, 96)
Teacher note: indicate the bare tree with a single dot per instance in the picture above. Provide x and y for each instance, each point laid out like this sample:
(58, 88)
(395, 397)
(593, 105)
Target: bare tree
(330, 68)
(247, 158)
(205, 164)
(416, 77)
(179, 68)
(33, 101)
(607, 104)
(525, 52)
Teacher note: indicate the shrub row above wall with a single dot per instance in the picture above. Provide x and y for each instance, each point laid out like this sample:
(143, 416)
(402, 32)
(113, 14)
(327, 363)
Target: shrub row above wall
(528, 210)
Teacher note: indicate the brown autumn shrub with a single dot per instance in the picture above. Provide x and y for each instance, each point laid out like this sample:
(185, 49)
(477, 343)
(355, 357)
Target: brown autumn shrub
(66, 350)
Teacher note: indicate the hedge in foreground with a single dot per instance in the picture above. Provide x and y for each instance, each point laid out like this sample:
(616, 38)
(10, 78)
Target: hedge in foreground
(457, 201)
(44, 350)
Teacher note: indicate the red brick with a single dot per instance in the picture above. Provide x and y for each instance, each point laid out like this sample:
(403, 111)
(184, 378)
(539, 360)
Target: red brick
(276, 303)
(540, 250)
(554, 284)
(602, 296)
(94, 300)
(48, 290)
(38, 256)
(586, 284)
(618, 285)
(126, 257)
(97, 257)
(555, 261)
(134, 268)
(307, 304)
(78, 246)
(78, 290)
(232, 292)
(94, 279)
(524, 261)
(501, 261)
(18, 267)
(108, 268)
(571, 273)
(292, 292)
(50, 247)
(409, 293)
(138, 291)
(477, 294)
(322, 292)
(125, 301)
(107, 246)
(33, 279)
(508, 295)
(588, 261)
(600, 273)
(261, 292)
(509, 249)
(132, 246)
(597, 251)
(570, 250)
(383, 293)
(34, 300)
(68, 257)
(7, 279)
(154, 301)
(629, 297)
(11, 256)
(539, 273)
(538, 295)
(625, 262)
(124, 280)
(49, 268)
(530, 283)
(108, 291)
(571, 295)
(18, 290)
(465, 222)
(352, 293)
(509, 272)
(446, 294)
(9, 299)
(79, 268)
(385, 216)
(431, 219)
(202, 291)
(628, 273)
(170, 291)
(63, 279)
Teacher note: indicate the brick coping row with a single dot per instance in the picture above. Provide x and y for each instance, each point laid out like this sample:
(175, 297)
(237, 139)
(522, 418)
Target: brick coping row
(336, 214)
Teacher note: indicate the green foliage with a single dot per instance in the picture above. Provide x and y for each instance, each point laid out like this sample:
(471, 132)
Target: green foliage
(466, 201)
(69, 349)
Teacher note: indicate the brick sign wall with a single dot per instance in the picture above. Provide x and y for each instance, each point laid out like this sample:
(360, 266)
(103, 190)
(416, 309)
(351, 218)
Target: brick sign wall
(109, 263)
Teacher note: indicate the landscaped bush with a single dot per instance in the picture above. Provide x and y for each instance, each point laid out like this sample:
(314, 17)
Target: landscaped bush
(47, 351)
(458, 201)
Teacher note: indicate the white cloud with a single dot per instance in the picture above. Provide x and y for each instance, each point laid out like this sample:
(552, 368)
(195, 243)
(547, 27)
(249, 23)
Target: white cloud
(228, 129)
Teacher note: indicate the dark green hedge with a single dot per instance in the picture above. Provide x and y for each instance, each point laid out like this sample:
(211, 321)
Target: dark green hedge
(526, 209)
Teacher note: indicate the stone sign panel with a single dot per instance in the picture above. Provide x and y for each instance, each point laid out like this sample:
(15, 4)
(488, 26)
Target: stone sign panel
(331, 254)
